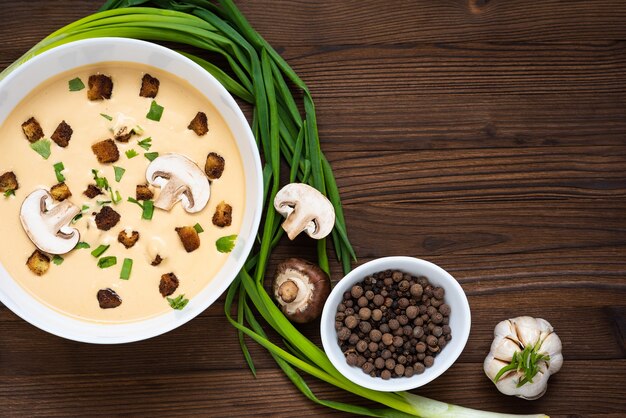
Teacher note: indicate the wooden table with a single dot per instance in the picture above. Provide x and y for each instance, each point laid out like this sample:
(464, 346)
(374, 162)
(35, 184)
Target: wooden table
(486, 136)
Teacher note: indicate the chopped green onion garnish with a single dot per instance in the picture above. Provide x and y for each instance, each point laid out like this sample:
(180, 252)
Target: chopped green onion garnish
(126, 269)
(107, 117)
(76, 218)
(84, 208)
(103, 202)
(137, 130)
(106, 262)
(42, 147)
(101, 182)
(198, 228)
(226, 244)
(155, 111)
(151, 155)
(179, 302)
(10, 192)
(76, 84)
(145, 143)
(58, 167)
(119, 172)
(148, 209)
(100, 250)
(82, 245)
(117, 197)
(57, 259)
(131, 153)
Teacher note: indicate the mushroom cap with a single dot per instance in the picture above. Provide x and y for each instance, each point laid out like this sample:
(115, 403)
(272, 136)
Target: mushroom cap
(48, 225)
(180, 179)
(305, 209)
(305, 302)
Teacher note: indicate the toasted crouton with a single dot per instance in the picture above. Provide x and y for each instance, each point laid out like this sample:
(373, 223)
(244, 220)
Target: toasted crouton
(8, 181)
(38, 263)
(199, 124)
(62, 134)
(107, 218)
(149, 86)
(143, 192)
(128, 240)
(100, 87)
(214, 166)
(168, 284)
(60, 192)
(189, 237)
(108, 299)
(223, 215)
(106, 151)
(92, 191)
(32, 130)
(157, 260)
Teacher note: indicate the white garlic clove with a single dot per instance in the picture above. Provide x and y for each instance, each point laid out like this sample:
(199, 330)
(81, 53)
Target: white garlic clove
(504, 349)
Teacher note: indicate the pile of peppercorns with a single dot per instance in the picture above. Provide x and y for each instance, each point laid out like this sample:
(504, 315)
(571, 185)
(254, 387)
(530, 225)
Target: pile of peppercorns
(393, 324)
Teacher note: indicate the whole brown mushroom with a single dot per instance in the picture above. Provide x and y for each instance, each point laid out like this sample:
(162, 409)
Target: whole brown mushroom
(301, 288)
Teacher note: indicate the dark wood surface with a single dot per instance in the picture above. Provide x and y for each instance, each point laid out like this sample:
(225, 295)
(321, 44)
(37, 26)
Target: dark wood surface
(486, 136)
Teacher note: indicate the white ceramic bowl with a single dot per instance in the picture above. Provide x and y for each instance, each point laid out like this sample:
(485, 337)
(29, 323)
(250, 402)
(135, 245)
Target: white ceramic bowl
(77, 54)
(460, 322)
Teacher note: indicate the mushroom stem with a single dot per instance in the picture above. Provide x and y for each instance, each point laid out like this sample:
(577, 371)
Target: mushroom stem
(171, 193)
(288, 291)
(295, 223)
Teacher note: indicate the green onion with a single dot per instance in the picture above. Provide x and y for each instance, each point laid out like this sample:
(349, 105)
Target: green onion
(80, 215)
(178, 302)
(104, 202)
(106, 262)
(58, 167)
(198, 228)
(116, 197)
(119, 172)
(145, 143)
(42, 147)
(76, 84)
(57, 259)
(131, 153)
(107, 117)
(9, 192)
(82, 244)
(151, 155)
(127, 267)
(155, 111)
(101, 182)
(226, 244)
(147, 206)
(100, 250)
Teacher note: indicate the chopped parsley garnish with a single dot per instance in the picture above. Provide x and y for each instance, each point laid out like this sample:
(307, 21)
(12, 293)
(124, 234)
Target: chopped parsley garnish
(131, 153)
(42, 147)
(151, 155)
(100, 250)
(226, 244)
(198, 228)
(106, 262)
(145, 143)
(57, 259)
(82, 245)
(119, 172)
(107, 117)
(179, 302)
(127, 267)
(155, 111)
(76, 84)
(58, 167)
(147, 206)
(10, 192)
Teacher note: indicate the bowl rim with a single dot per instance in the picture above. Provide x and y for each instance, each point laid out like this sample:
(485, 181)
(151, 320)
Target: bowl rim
(328, 333)
(113, 49)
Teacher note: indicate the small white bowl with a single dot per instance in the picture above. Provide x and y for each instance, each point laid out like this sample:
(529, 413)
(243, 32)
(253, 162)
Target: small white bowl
(460, 322)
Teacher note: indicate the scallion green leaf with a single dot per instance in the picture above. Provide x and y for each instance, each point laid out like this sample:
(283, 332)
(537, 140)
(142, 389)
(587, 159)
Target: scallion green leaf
(100, 250)
(58, 167)
(119, 172)
(151, 155)
(76, 84)
(148, 209)
(131, 153)
(106, 262)
(57, 259)
(198, 228)
(155, 111)
(10, 192)
(107, 117)
(42, 147)
(82, 244)
(127, 267)
(179, 302)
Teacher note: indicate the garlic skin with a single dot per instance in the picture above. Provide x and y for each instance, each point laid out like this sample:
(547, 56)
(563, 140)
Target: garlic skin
(511, 336)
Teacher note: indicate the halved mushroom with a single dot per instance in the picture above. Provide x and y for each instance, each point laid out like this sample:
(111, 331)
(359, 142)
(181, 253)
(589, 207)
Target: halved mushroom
(305, 209)
(180, 179)
(48, 225)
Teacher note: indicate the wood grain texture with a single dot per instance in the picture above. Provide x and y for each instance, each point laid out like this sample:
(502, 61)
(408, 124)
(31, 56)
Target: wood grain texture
(488, 136)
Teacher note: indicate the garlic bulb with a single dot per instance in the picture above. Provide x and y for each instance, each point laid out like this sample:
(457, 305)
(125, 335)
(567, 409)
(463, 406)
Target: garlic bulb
(524, 353)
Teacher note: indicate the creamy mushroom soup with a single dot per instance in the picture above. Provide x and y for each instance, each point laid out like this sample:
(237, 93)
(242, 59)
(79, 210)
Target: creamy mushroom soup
(140, 245)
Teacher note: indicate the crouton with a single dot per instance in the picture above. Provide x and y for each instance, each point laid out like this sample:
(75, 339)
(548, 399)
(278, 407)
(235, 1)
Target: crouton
(32, 130)
(128, 240)
(143, 192)
(107, 218)
(157, 260)
(107, 298)
(100, 87)
(149, 86)
(92, 191)
(199, 124)
(106, 151)
(60, 192)
(189, 237)
(38, 263)
(214, 166)
(8, 181)
(62, 134)
(168, 284)
(223, 215)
